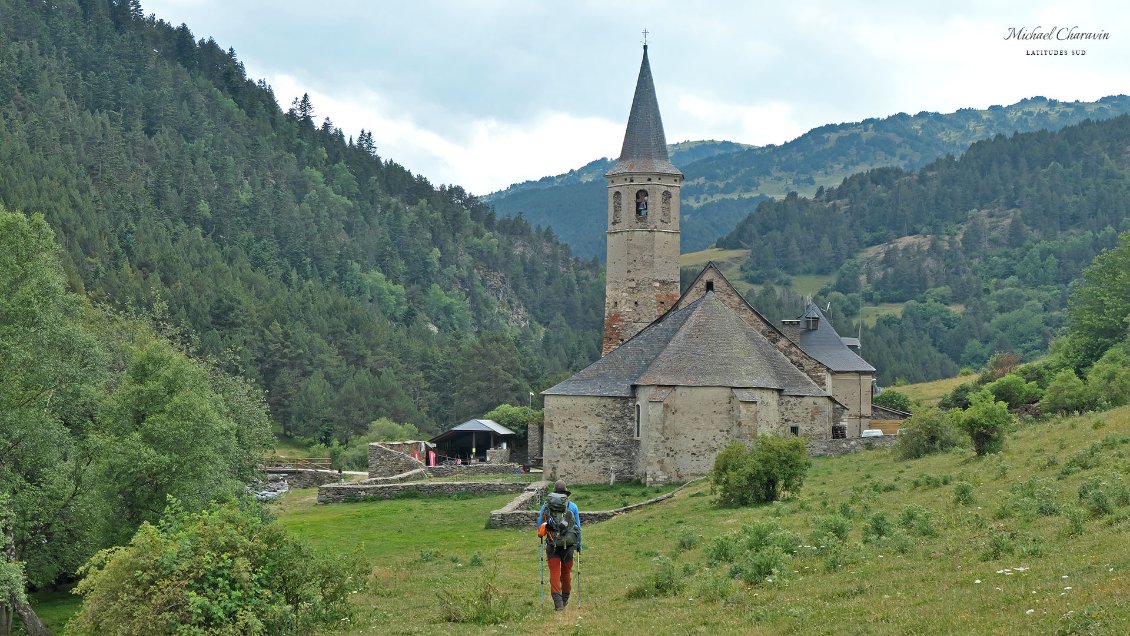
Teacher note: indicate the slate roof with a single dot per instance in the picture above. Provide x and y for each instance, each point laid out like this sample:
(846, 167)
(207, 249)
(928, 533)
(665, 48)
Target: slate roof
(703, 344)
(645, 146)
(824, 344)
(477, 426)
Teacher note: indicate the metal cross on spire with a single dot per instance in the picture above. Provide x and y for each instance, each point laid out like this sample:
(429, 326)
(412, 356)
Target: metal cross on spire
(645, 37)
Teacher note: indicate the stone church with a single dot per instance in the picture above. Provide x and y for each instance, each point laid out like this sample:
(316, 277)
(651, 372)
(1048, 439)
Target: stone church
(683, 375)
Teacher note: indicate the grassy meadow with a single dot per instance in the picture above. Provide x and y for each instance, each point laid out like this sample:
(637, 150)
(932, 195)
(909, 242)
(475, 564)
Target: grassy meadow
(1001, 545)
(947, 544)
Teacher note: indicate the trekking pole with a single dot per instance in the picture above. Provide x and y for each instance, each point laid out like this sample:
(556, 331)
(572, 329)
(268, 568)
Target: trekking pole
(541, 570)
(577, 556)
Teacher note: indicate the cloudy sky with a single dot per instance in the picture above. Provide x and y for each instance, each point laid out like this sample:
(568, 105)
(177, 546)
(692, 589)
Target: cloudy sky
(485, 93)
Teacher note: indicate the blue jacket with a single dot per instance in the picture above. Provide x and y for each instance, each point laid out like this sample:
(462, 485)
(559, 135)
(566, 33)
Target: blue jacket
(572, 507)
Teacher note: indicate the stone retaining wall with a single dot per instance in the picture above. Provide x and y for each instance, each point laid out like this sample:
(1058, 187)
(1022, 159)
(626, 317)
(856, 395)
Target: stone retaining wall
(385, 462)
(472, 469)
(305, 477)
(342, 493)
(513, 515)
(836, 447)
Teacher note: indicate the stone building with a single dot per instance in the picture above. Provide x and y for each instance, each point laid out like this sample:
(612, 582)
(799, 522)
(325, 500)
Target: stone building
(849, 376)
(684, 375)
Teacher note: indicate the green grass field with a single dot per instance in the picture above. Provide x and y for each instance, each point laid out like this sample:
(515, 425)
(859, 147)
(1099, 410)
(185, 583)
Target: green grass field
(993, 565)
(931, 392)
(989, 564)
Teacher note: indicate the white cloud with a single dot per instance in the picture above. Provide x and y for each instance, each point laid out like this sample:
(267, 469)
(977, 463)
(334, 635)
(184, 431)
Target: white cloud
(760, 124)
(486, 155)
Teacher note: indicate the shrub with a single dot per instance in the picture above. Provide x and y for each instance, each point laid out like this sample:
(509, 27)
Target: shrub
(764, 536)
(998, 544)
(892, 399)
(223, 570)
(478, 602)
(776, 465)
(877, 527)
(687, 540)
(762, 566)
(1108, 381)
(958, 398)
(1100, 495)
(1033, 498)
(716, 587)
(1066, 394)
(927, 431)
(836, 526)
(963, 493)
(987, 421)
(666, 580)
(1014, 391)
(918, 521)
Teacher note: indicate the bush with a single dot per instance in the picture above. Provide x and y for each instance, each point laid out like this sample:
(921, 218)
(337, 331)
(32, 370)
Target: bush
(987, 421)
(1033, 498)
(224, 570)
(836, 526)
(1100, 495)
(892, 399)
(1066, 394)
(478, 602)
(666, 580)
(1014, 391)
(918, 521)
(1108, 381)
(958, 398)
(877, 527)
(927, 431)
(963, 493)
(776, 465)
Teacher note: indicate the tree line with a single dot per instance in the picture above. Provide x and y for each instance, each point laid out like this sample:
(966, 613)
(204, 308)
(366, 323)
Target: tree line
(344, 286)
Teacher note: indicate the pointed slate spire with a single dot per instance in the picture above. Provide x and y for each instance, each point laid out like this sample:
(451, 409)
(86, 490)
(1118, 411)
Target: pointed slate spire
(645, 147)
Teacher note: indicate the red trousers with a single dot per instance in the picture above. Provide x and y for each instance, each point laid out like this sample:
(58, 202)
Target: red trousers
(560, 567)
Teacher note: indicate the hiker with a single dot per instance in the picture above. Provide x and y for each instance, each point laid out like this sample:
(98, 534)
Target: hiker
(559, 524)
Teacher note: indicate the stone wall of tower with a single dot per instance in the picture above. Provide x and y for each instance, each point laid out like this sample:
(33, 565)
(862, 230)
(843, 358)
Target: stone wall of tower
(642, 270)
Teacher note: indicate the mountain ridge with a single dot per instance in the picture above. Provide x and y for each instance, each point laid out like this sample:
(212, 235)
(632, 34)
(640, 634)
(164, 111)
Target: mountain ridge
(723, 187)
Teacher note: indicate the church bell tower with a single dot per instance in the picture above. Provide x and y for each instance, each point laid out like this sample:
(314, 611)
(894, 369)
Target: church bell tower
(642, 270)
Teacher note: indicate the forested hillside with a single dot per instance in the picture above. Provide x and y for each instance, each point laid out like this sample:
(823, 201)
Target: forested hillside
(983, 247)
(285, 249)
(721, 188)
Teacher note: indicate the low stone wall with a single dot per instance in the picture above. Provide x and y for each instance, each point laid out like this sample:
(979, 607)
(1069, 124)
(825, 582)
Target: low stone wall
(472, 469)
(385, 462)
(305, 477)
(342, 493)
(514, 514)
(498, 455)
(412, 475)
(836, 447)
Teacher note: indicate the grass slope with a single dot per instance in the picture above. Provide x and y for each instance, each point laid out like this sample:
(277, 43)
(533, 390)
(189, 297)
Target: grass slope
(1073, 580)
(994, 564)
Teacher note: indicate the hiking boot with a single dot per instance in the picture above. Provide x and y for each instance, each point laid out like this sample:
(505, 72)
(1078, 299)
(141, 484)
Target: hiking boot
(558, 603)
(565, 599)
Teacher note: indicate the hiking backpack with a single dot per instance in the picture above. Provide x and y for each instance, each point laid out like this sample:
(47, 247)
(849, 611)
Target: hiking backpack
(561, 526)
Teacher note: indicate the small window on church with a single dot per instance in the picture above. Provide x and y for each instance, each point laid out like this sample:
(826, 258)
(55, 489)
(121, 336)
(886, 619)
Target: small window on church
(641, 204)
(616, 205)
(709, 285)
(794, 431)
(639, 412)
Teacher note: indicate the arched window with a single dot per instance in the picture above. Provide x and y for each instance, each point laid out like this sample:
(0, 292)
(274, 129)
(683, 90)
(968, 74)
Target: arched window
(665, 206)
(639, 413)
(641, 204)
(617, 203)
